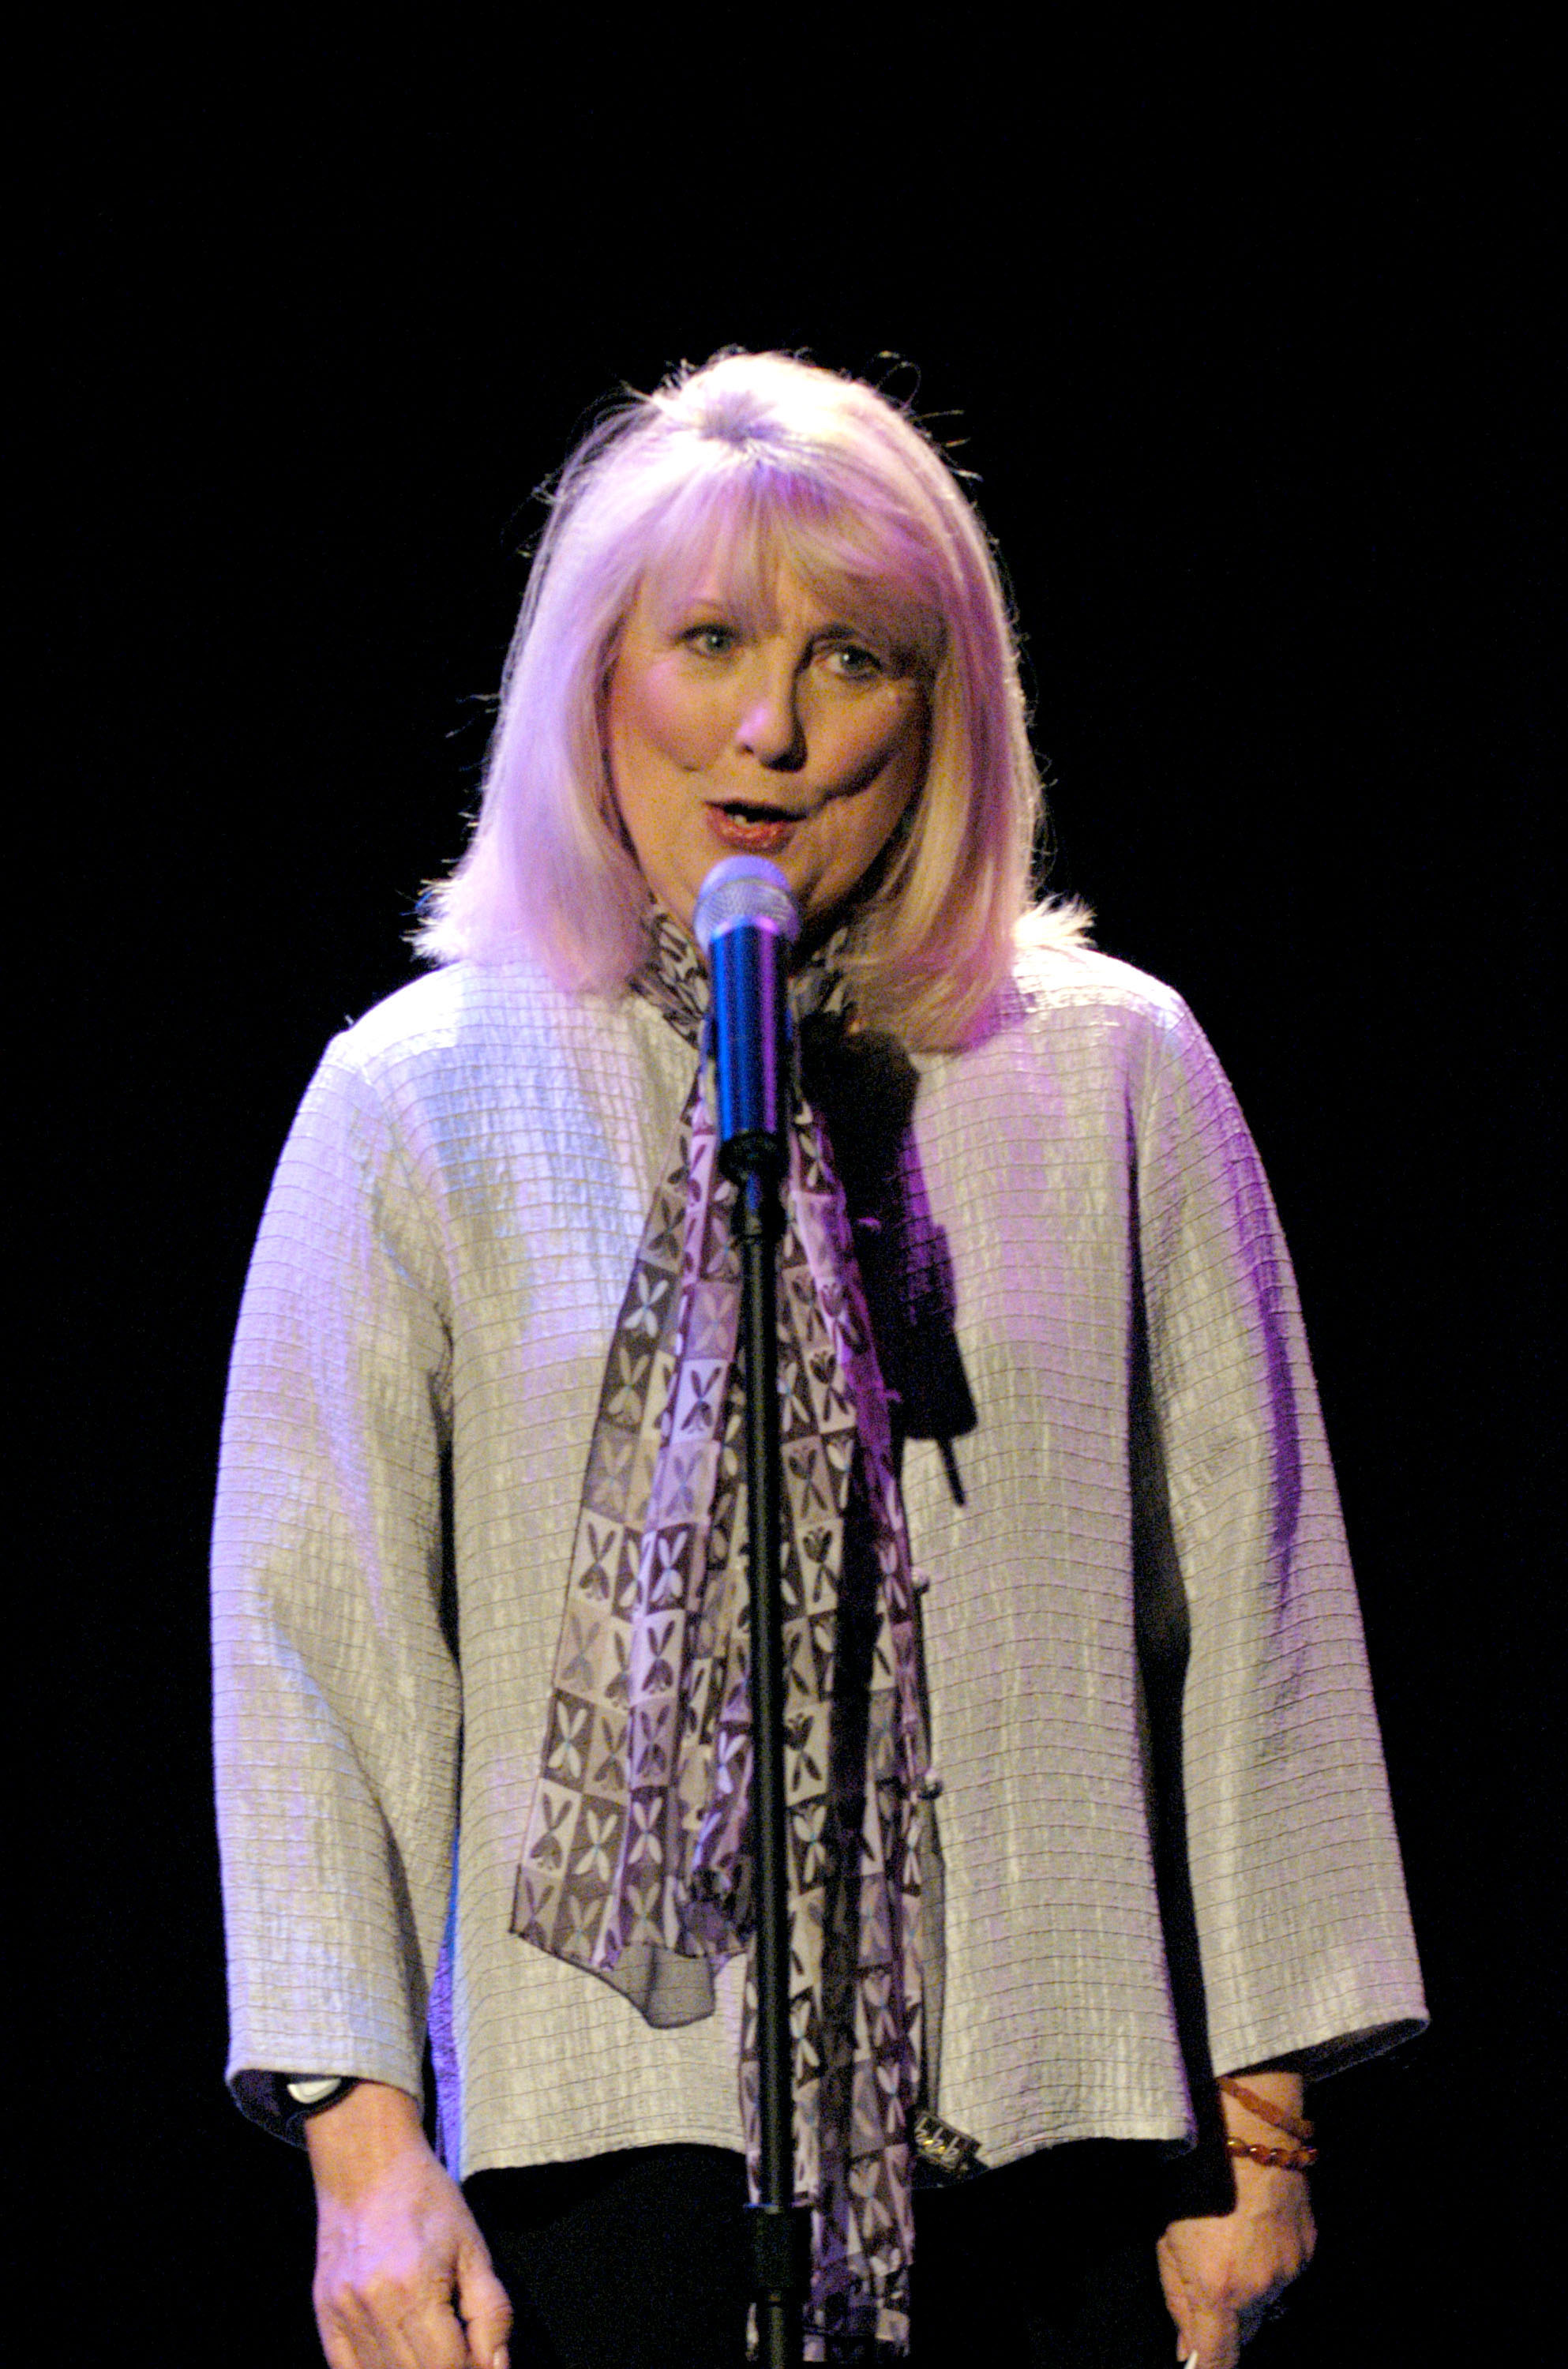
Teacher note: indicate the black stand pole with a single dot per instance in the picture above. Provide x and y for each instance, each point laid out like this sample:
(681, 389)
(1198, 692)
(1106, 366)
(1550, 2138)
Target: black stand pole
(778, 2230)
(745, 921)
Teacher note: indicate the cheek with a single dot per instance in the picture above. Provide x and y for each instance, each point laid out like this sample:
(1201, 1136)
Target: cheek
(896, 760)
(667, 720)
(897, 734)
(862, 825)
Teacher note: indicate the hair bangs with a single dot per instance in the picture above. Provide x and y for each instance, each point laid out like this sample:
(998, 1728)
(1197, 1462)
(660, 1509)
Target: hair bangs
(716, 540)
(728, 533)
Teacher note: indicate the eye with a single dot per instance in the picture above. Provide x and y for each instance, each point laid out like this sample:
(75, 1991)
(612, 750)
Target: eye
(710, 639)
(853, 662)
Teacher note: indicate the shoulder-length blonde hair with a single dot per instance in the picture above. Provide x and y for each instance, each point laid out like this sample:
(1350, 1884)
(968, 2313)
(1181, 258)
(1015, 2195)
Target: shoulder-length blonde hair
(751, 460)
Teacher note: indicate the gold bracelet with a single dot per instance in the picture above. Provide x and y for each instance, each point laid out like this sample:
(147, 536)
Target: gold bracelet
(1295, 2125)
(1274, 2159)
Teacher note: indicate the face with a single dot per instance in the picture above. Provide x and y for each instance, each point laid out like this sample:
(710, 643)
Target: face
(797, 734)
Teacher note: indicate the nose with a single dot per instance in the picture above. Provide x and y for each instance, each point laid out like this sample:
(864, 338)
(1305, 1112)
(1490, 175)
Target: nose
(770, 728)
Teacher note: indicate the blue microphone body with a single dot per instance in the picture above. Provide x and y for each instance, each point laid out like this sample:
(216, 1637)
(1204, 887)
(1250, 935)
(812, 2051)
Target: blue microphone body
(746, 922)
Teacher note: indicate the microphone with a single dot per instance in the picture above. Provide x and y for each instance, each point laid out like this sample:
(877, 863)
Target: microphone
(746, 922)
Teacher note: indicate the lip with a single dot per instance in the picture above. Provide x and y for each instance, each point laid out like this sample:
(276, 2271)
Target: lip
(752, 834)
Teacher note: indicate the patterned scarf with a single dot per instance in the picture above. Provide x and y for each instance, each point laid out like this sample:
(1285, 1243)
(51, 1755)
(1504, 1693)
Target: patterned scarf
(636, 1863)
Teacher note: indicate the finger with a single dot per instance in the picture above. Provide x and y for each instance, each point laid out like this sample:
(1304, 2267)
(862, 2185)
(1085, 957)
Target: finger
(356, 2316)
(388, 2327)
(1176, 2301)
(483, 2304)
(432, 2338)
(383, 2330)
(337, 2346)
(1216, 2339)
(351, 2338)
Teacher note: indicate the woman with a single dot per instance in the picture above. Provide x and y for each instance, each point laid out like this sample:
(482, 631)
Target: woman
(1061, 1521)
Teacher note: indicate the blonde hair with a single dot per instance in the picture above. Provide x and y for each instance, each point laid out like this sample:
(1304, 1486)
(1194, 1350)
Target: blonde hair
(760, 459)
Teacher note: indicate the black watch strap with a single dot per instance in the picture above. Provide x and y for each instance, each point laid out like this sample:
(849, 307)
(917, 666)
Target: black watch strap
(301, 2095)
(283, 2102)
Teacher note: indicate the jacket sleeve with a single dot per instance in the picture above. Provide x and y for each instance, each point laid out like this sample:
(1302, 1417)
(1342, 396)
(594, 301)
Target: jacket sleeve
(1303, 1937)
(336, 1703)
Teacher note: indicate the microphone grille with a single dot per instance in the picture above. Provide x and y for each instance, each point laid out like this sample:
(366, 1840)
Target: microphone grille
(744, 888)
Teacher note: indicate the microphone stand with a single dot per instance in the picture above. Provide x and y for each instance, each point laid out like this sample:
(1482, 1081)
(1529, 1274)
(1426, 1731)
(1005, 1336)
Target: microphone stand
(745, 921)
(779, 2229)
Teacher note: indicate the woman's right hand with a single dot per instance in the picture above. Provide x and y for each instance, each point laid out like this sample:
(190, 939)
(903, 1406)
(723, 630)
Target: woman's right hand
(403, 2277)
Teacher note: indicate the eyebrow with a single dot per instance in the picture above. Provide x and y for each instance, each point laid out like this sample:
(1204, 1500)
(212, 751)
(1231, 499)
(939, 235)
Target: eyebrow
(863, 625)
(733, 601)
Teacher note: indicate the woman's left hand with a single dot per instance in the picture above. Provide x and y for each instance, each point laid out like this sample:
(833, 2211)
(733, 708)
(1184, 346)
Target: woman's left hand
(1220, 2272)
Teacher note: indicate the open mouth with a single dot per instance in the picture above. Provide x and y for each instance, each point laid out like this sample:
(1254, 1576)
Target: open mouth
(739, 823)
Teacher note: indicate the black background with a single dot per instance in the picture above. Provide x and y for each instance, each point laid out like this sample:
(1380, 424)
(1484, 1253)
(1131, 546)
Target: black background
(1244, 346)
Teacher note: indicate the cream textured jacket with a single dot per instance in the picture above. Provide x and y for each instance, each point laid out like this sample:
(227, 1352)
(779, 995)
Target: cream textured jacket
(1139, 1489)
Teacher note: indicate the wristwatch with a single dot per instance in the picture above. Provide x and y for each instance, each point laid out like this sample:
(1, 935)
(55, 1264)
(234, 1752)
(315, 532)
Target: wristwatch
(301, 2095)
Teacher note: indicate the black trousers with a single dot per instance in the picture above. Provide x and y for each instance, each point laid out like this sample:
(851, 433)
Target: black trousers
(639, 2260)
